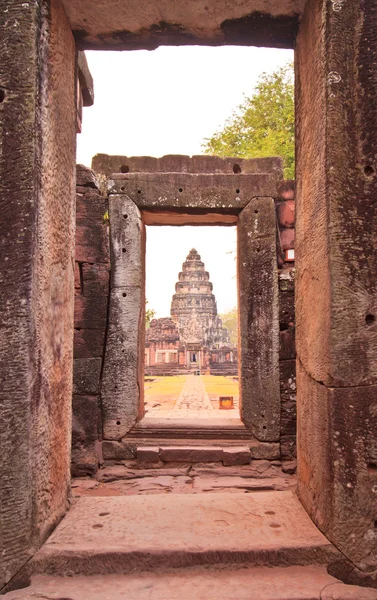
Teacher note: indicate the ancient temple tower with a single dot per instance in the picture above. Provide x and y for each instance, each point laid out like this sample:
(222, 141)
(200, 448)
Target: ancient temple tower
(194, 307)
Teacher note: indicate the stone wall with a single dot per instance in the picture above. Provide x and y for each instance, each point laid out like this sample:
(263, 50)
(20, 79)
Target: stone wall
(92, 270)
(285, 217)
(92, 273)
(37, 173)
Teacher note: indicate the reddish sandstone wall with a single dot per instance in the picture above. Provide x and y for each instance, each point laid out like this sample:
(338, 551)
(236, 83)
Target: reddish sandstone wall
(285, 218)
(92, 269)
(92, 272)
(37, 175)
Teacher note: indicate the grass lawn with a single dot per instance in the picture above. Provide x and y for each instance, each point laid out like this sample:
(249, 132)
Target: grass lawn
(163, 390)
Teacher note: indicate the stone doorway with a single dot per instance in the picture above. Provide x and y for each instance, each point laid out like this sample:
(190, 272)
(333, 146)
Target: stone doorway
(197, 192)
(191, 335)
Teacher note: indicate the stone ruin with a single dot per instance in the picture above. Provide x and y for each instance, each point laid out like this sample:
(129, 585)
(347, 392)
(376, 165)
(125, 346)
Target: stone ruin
(194, 339)
(42, 90)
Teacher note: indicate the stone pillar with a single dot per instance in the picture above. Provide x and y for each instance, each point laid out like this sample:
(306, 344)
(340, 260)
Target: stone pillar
(336, 294)
(122, 391)
(259, 319)
(37, 191)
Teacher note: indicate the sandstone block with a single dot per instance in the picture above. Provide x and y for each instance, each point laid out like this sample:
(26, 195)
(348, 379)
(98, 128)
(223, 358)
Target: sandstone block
(287, 344)
(286, 189)
(85, 419)
(86, 375)
(88, 343)
(90, 312)
(92, 236)
(287, 238)
(286, 214)
(258, 314)
(84, 176)
(112, 450)
(148, 454)
(265, 450)
(237, 455)
(96, 279)
(191, 454)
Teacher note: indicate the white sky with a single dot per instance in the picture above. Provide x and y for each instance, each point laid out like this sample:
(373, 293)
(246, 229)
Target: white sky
(166, 102)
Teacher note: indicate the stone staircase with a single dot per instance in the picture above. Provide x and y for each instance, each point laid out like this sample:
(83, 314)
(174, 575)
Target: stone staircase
(217, 546)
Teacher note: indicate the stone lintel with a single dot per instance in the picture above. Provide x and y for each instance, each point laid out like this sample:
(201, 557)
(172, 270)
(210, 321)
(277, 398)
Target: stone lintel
(111, 25)
(259, 321)
(190, 192)
(180, 163)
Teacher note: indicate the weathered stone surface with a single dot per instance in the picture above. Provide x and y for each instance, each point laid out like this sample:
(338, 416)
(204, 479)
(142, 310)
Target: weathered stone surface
(127, 243)
(340, 591)
(86, 375)
(237, 455)
(107, 164)
(88, 343)
(85, 419)
(258, 314)
(115, 451)
(85, 177)
(287, 344)
(286, 305)
(95, 279)
(284, 583)
(336, 294)
(109, 26)
(148, 454)
(85, 433)
(37, 120)
(189, 191)
(264, 451)
(336, 297)
(288, 447)
(286, 213)
(92, 237)
(287, 238)
(122, 387)
(90, 312)
(190, 529)
(191, 454)
(286, 190)
(85, 79)
(338, 463)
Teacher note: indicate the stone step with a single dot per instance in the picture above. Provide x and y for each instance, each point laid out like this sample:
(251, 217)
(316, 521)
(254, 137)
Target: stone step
(260, 583)
(124, 534)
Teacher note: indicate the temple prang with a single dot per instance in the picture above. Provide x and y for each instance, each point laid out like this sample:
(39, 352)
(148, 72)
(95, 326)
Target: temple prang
(194, 338)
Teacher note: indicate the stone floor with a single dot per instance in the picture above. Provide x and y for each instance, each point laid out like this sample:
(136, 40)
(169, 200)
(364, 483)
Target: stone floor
(260, 546)
(124, 480)
(193, 402)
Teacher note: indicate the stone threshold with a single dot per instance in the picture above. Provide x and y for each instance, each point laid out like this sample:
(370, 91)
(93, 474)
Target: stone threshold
(191, 450)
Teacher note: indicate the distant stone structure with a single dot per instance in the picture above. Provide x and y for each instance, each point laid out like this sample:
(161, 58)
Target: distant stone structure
(194, 337)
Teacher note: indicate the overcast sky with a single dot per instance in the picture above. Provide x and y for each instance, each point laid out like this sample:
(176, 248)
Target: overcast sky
(166, 102)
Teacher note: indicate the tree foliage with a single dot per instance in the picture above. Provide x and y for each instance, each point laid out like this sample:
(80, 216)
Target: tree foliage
(230, 321)
(263, 125)
(149, 314)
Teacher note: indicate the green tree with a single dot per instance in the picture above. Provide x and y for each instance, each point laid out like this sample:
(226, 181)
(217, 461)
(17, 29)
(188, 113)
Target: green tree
(263, 125)
(149, 314)
(230, 321)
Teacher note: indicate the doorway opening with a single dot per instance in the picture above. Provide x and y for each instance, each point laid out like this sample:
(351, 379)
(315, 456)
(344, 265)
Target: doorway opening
(191, 338)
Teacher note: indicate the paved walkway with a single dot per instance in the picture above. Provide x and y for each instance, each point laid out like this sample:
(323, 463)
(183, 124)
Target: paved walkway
(193, 395)
(193, 402)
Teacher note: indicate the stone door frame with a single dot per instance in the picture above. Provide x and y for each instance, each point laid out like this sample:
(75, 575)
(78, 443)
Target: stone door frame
(246, 200)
